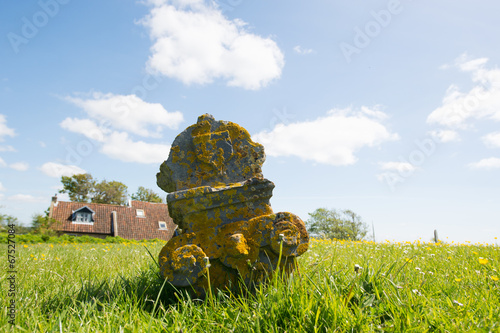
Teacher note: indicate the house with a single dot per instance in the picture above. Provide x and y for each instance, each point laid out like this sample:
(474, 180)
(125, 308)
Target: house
(138, 220)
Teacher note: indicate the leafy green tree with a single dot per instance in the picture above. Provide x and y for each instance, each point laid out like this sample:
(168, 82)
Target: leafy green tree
(84, 188)
(43, 225)
(343, 224)
(79, 187)
(145, 194)
(112, 192)
(8, 220)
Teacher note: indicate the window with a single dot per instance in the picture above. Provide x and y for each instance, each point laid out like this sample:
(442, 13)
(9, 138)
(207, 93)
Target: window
(84, 215)
(162, 225)
(140, 212)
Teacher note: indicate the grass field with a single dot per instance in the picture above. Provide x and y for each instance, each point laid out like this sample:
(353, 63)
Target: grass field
(400, 287)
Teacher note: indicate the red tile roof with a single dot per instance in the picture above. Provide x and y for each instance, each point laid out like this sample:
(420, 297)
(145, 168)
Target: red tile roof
(130, 226)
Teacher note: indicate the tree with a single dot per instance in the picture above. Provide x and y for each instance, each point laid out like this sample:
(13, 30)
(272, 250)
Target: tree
(83, 188)
(79, 187)
(7, 220)
(344, 224)
(42, 224)
(145, 194)
(112, 192)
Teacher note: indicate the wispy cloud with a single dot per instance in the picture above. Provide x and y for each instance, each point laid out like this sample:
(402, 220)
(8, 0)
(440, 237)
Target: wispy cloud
(486, 164)
(4, 129)
(333, 139)
(25, 198)
(113, 119)
(459, 109)
(445, 135)
(492, 140)
(123, 112)
(300, 50)
(195, 43)
(119, 146)
(19, 166)
(6, 148)
(57, 170)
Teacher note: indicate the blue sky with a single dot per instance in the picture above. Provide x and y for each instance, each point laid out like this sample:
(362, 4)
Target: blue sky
(388, 108)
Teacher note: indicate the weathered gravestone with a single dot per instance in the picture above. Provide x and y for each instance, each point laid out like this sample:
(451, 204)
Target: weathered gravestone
(220, 200)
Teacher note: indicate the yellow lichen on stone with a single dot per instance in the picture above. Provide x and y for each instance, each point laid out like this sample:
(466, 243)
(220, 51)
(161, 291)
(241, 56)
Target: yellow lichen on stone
(220, 200)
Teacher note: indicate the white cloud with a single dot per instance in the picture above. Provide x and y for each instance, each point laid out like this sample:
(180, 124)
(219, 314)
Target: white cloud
(195, 43)
(20, 166)
(2, 163)
(4, 130)
(25, 198)
(5, 148)
(121, 147)
(445, 135)
(332, 139)
(86, 127)
(113, 118)
(42, 144)
(298, 49)
(492, 140)
(122, 112)
(482, 101)
(398, 166)
(57, 170)
(486, 163)
(2, 188)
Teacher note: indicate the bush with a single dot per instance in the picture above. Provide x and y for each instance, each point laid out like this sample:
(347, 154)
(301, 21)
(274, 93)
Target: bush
(33, 239)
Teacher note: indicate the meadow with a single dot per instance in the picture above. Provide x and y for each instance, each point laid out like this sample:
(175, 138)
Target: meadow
(339, 287)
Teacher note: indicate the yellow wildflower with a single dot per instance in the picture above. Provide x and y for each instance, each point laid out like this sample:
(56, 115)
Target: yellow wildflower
(25, 245)
(458, 280)
(494, 278)
(483, 261)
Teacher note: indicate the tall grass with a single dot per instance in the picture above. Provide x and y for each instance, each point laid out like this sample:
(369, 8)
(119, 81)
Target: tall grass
(398, 287)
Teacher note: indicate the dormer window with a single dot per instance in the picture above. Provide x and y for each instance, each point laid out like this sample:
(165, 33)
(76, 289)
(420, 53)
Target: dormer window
(84, 215)
(140, 213)
(162, 225)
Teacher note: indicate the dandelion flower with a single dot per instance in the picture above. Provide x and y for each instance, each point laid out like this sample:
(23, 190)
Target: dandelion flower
(483, 261)
(25, 245)
(408, 260)
(494, 278)
(458, 280)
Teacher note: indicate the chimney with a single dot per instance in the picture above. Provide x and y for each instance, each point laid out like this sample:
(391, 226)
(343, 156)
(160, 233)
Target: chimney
(114, 221)
(53, 203)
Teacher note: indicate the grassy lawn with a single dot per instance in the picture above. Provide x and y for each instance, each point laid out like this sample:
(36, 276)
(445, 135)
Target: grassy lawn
(400, 287)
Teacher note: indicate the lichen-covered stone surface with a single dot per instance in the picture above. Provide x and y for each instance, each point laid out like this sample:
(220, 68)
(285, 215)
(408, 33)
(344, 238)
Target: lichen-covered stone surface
(220, 202)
